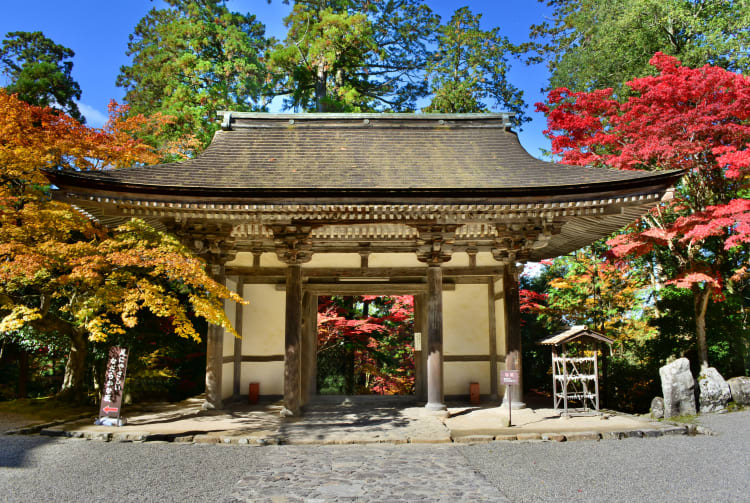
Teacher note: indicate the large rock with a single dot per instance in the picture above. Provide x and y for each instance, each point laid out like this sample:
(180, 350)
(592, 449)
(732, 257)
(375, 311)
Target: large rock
(714, 391)
(657, 407)
(678, 386)
(740, 388)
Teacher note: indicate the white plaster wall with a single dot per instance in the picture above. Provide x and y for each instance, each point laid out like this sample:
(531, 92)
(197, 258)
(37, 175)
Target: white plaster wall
(270, 260)
(227, 375)
(458, 375)
(485, 259)
(394, 260)
(270, 375)
(334, 260)
(500, 318)
(263, 320)
(242, 259)
(458, 260)
(466, 321)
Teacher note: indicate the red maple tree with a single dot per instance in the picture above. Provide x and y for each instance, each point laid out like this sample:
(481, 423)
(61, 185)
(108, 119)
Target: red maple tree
(377, 334)
(696, 120)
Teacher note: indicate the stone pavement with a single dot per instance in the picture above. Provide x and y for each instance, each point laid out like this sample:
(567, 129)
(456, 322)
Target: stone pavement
(372, 422)
(385, 473)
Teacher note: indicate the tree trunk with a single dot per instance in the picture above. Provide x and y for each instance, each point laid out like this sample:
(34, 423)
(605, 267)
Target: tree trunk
(75, 368)
(700, 303)
(23, 372)
(320, 89)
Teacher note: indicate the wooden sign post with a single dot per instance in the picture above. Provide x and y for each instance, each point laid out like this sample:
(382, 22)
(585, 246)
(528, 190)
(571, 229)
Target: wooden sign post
(114, 382)
(509, 378)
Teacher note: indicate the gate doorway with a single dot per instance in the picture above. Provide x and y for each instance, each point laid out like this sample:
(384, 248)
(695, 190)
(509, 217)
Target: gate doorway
(365, 345)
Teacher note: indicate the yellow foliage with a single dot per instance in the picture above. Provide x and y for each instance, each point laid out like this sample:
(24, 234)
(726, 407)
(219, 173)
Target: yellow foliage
(86, 275)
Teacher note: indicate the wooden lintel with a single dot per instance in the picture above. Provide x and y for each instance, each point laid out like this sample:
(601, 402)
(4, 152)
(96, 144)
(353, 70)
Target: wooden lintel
(262, 358)
(466, 358)
(371, 272)
(371, 288)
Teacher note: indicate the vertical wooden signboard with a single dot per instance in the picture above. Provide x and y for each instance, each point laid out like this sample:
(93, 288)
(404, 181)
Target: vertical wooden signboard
(114, 382)
(509, 378)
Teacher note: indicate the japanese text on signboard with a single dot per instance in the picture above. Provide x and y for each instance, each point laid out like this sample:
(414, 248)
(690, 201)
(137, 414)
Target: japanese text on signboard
(114, 382)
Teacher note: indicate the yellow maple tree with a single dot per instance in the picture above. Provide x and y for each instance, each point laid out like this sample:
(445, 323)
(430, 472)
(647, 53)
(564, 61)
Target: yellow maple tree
(62, 272)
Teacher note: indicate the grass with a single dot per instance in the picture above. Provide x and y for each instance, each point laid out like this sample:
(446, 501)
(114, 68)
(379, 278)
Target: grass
(685, 419)
(44, 409)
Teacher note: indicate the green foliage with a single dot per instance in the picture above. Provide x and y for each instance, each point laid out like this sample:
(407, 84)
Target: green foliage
(39, 73)
(727, 332)
(596, 44)
(471, 68)
(365, 345)
(353, 55)
(156, 371)
(191, 60)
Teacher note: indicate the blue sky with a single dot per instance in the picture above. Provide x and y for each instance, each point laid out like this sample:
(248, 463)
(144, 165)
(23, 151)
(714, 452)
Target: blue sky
(98, 33)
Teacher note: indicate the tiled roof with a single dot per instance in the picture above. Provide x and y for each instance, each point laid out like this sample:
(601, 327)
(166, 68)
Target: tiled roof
(364, 152)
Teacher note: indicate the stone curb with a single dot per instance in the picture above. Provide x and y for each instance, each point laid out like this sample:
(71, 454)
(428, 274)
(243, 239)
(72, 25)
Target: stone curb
(575, 436)
(36, 428)
(185, 438)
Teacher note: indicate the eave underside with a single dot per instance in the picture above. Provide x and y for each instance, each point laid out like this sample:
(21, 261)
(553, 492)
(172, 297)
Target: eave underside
(542, 229)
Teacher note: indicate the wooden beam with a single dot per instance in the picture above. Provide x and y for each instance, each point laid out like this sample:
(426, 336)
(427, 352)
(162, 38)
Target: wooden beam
(262, 358)
(238, 342)
(365, 289)
(214, 353)
(370, 272)
(493, 337)
(513, 356)
(292, 336)
(466, 358)
(435, 339)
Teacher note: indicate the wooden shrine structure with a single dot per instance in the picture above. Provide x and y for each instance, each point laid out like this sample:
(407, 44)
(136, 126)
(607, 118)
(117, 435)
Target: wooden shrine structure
(576, 376)
(444, 207)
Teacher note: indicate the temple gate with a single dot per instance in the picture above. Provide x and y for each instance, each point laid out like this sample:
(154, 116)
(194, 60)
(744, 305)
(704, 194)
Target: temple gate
(445, 207)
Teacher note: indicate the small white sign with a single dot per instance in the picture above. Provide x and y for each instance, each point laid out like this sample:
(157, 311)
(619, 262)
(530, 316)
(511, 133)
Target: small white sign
(417, 341)
(509, 377)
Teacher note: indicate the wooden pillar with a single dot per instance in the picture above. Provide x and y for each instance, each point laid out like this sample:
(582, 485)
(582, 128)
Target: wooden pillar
(237, 378)
(292, 340)
(493, 337)
(435, 338)
(214, 352)
(309, 356)
(420, 356)
(513, 334)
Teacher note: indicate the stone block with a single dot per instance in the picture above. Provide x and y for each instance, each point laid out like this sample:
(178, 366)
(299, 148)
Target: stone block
(613, 435)
(740, 389)
(131, 436)
(553, 437)
(652, 433)
(675, 430)
(632, 434)
(529, 436)
(714, 391)
(206, 439)
(52, 432)
(474, 439)
(657, 407)
(678, 388)
(505, 437)
(575, 436)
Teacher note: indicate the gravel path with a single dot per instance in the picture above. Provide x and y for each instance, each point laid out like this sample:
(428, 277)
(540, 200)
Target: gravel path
(34, 468)
(666, 469)
(387, 473)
